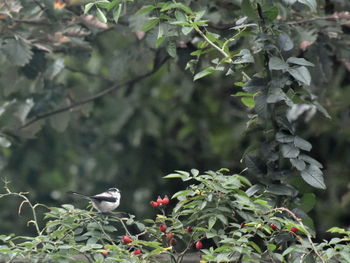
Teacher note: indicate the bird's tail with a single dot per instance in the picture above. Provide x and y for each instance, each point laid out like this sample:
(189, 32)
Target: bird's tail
(79, 194)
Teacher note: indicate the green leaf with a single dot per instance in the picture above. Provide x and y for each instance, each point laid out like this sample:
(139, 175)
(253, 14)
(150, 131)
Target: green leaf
(313, 176)
(150, 24)
(300, 61)
(312, 4)
(271, 13)
(146, 9)
(177, 6)
(101, 16)
(276, 63)
(116, 13)
(245, 57)
(255, 165)
(289, 151)
(171, 49)
(17, 51)
(207, 71)
(254, 189)
(297, 163)
(248, 9)
(307, 202)
(301, 74)
(302, 144)
(338, 230)
(285, 42)
(88, 7)
(211, 223)
(248, 101)
(280, 189)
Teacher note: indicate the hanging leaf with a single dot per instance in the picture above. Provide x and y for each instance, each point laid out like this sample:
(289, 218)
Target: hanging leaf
(275, 63)
(150, 24)
(101, 16)
(116, 13)
(298, 164)
(289, 151)
(171, 49)
(313, 176)
(301, 74)
(310, 160)
(203, 73)
(17, 51)
(255, 165)
(302, 144)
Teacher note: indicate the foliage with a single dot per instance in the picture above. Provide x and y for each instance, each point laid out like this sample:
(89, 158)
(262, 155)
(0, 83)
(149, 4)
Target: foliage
(234, 227)
(271, 50)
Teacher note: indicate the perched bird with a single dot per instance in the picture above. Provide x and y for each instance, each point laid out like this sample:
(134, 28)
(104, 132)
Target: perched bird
(103, 202)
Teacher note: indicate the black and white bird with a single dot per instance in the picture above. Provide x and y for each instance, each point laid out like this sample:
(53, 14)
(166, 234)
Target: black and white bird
(103, 202)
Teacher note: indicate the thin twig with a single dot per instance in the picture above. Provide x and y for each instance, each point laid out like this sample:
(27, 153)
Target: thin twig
(212, 43)
(94, 97)
(298, 219)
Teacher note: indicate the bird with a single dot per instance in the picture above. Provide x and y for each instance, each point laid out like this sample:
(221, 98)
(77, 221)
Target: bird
(104, 202)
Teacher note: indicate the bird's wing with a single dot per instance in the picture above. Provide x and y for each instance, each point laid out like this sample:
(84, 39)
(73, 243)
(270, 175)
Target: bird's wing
(101, 198)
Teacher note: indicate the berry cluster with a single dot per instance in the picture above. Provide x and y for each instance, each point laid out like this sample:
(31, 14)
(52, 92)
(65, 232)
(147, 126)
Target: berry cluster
(160, 201)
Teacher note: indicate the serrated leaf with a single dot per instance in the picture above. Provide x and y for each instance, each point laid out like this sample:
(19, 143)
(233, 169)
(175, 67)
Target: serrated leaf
(116, 13)
(301, 73)
(302, 144)
(297, 163)
(313, 176)
(285, 42)
(312, 4)
(207, 71)
(289, 151)
(300, 61)
(275, 63)
(101, 16)
(17, 51)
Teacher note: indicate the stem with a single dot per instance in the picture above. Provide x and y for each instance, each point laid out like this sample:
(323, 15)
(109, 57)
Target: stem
(94, 97)
(298, 219)
(212, 43)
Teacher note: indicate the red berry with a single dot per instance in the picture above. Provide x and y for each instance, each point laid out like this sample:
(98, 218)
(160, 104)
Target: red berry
(172, 242)
(126, 240)
(169, 236)
(199, 245)
(162, 228)
(243, 225)
(165, 200)
(105, 253)
(154, 204)
(137, 251)
(294, 230)
(273, 226)
(159, 200)
(189, 229)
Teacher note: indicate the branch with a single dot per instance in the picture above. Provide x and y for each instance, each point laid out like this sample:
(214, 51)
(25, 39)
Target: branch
(94, 97)
(298, 219)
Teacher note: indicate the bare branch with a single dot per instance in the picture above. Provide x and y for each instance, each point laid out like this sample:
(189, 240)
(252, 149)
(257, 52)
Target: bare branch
(94, 97)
